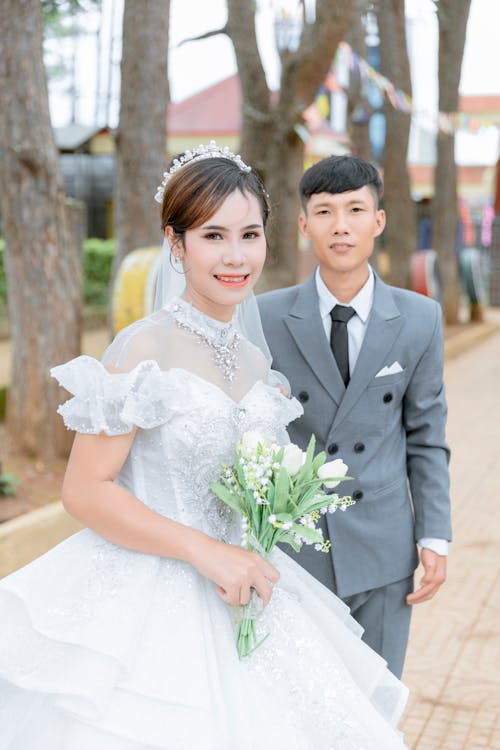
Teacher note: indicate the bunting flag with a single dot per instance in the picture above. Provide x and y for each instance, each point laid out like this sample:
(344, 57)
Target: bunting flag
(347, 59)
(322, 103)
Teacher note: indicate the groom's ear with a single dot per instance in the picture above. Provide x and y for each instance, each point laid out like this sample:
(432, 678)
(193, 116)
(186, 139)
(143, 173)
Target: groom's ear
(380, 220)
(303, 225)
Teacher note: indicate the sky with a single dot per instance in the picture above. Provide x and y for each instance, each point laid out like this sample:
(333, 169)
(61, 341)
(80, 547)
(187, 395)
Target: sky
(196, 65)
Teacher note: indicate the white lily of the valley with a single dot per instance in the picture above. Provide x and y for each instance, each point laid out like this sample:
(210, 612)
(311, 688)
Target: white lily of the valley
(332, 469)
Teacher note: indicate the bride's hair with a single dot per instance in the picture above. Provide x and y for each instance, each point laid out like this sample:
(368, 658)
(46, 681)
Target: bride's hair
(195, 192)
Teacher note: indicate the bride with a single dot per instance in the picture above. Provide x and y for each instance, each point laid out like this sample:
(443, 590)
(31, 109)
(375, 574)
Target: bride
(121, 637)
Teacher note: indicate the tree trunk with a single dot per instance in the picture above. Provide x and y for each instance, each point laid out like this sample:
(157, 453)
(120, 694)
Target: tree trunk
(271, 129)
(256, 115)
(141, 141)
(43, 266)
(358, 106)
(401, 229)
(452, 17)
(285, 168)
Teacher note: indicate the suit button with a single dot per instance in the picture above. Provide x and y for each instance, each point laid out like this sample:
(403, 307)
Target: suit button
(332, 448)
(387, 398)
(303, 396)
(357, 495)
(359, 448)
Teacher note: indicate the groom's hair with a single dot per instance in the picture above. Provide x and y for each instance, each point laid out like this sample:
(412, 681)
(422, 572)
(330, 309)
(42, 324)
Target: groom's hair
(340, 174)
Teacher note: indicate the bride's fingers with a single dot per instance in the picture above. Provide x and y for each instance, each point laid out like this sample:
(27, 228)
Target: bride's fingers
(269, 571)
(263, 587)
(245, 595)
(229, 596)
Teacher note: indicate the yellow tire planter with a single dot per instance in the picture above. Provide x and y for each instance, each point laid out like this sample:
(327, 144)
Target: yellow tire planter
(30, 535)
(135, 285)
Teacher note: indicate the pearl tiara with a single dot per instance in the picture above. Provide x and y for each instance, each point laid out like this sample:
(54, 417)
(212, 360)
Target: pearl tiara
(196, 154)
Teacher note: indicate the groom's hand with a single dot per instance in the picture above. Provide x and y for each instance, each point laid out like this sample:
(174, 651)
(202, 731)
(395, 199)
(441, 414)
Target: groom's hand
(434, 576)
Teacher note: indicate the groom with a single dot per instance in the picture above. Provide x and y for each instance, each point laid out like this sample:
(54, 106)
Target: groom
(366, 361)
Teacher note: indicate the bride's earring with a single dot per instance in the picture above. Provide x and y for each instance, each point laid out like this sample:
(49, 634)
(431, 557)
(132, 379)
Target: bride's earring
(176, 262)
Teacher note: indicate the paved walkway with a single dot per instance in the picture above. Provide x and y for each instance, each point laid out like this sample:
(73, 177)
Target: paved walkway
(453, 663)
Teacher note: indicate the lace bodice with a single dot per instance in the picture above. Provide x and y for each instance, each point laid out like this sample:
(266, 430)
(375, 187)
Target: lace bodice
(190, 415)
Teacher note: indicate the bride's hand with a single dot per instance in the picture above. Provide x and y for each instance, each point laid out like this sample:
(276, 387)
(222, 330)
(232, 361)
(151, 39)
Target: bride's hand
(235, 571)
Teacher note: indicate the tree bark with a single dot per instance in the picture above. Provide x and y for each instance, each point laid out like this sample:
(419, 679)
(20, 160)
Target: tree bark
(452, 18)
(43, 264)
(273, 127)
(141, 139)
(256, 110)
(358, 106)
(401, 229)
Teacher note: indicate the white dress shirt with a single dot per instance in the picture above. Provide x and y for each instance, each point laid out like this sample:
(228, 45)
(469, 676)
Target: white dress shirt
(356, 328)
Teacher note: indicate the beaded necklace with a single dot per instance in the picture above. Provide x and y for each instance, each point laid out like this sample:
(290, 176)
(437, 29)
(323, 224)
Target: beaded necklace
(222, 338)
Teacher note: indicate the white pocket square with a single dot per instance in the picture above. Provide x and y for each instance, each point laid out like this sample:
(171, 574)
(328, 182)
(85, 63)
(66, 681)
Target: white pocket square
(392, 370)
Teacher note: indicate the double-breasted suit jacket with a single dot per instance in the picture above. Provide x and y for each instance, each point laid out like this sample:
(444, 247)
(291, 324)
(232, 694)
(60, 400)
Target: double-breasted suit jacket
(389, 429)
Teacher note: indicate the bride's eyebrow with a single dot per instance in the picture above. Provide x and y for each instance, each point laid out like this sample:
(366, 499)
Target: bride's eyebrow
(226, 229)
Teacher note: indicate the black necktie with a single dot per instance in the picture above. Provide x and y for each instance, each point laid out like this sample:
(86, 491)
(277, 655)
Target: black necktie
(340, 316)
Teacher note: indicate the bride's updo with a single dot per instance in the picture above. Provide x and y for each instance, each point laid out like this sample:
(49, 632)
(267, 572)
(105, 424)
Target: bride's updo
(197, 190)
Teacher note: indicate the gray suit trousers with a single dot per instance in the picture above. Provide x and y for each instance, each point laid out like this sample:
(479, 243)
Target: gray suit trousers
(381, 612)
(385, 617)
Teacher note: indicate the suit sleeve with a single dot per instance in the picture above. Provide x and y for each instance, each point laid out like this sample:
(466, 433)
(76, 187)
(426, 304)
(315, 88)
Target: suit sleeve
(427, 454)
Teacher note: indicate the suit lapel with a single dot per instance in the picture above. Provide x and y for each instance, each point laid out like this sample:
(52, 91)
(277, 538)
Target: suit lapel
(306, 328)
(383, 328)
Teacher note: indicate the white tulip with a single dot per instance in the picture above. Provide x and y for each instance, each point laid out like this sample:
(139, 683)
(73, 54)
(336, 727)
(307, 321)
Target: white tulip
(336, 469)
(249, 442)
(293, 459)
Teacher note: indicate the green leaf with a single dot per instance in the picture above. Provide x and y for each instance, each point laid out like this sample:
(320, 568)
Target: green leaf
(310, 448)
(287, 538)
(306, 533)
(305, 499)
(318, 461)
(284, 517)
(305, 472)
(270, 493)
(282, 491)
(307, 496)
(239, 473)
(226, 496)
(278, 458)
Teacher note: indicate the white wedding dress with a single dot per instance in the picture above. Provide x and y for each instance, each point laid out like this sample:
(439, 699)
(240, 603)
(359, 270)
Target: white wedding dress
(103, 648)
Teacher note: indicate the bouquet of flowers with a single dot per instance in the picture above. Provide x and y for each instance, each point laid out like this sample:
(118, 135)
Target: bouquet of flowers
(278, 491)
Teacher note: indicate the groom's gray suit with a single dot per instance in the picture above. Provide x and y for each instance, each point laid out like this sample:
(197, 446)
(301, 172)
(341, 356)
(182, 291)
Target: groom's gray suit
(389, 430)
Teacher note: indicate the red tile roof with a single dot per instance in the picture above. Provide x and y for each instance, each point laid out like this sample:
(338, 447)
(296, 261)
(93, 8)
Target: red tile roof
(479, 104)
(215, 110)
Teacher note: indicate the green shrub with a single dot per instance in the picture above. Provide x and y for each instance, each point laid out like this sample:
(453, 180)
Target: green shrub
(97, 261)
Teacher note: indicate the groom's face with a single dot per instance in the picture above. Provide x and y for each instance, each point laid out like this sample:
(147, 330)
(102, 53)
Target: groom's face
(341, 228)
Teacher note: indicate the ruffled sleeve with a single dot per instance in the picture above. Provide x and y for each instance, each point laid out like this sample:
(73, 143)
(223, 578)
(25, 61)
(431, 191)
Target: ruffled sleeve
(112, 403)
(292, 409)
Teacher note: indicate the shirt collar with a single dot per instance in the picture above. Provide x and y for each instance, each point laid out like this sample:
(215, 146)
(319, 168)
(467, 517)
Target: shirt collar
(361, 303)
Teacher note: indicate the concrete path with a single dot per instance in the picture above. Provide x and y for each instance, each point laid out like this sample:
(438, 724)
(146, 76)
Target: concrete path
(453, 663)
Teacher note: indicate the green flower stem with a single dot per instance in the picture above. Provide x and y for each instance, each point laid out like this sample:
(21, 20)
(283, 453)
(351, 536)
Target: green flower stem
(246, 641)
